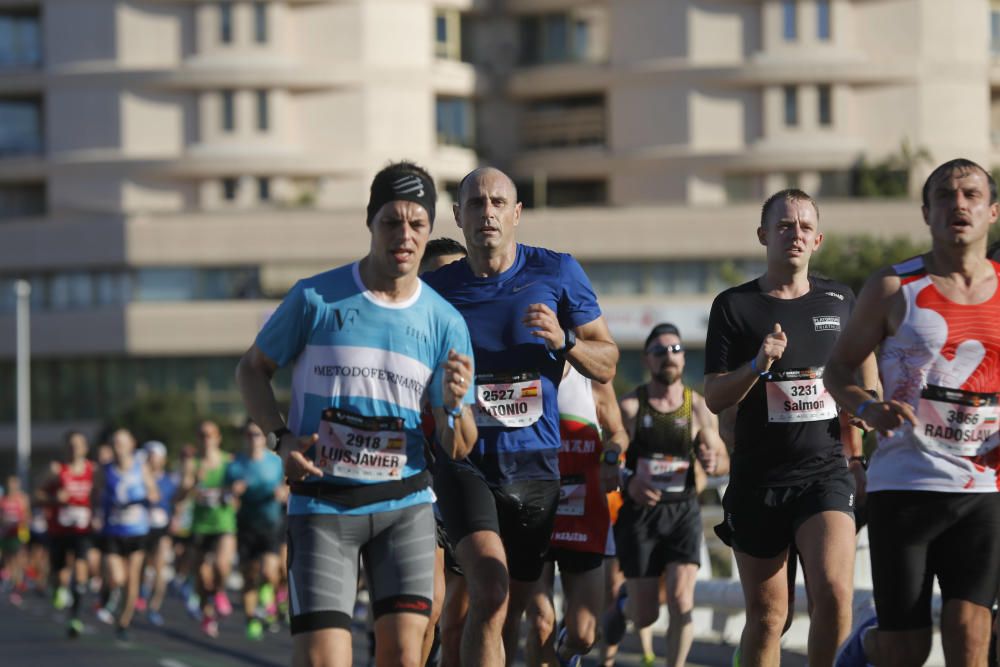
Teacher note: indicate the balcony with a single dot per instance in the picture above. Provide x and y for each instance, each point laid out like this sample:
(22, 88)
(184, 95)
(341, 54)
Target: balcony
(564, 122)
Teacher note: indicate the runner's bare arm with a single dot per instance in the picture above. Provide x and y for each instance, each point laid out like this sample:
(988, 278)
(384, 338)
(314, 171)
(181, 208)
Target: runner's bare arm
(595, 354)
(879, 309)
(458, 438)
(152, 489)
(635, 488)
(609, 417)
(628, 407)
(712, 452)
(723, 390)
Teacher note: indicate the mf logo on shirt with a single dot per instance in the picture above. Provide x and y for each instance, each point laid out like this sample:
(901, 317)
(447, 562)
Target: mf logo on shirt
(827, 323)
(345, 318)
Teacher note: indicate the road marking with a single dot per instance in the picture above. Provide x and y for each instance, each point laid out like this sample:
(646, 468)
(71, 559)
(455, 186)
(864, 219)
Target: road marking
(170, 662)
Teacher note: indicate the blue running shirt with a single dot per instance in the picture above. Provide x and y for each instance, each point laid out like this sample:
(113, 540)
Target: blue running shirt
(358, 353)
(509, 447)
(262, 476)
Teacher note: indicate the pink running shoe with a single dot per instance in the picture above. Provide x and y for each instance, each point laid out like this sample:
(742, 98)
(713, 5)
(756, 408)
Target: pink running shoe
(210, 627)
(222, 604)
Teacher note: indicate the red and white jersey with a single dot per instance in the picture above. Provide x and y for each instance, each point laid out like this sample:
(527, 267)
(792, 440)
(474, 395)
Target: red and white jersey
(74, 515)
(13, 514)
(944, 361)
(583, 522)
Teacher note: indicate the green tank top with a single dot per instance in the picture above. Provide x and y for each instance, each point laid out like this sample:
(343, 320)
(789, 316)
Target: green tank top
(212, 513)
(665, 436)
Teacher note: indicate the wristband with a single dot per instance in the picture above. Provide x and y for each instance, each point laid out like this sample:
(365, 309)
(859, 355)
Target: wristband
(861, 408)
(753, 367)
(457, 412)
(862, 459)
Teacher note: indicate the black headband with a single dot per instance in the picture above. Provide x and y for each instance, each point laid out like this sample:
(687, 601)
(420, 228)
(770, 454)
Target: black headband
(389, 187)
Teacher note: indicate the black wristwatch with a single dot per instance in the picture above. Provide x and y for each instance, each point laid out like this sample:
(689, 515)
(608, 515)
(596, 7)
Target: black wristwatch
(275, 436)
(860, 458)
(610, 456)
(570, 341)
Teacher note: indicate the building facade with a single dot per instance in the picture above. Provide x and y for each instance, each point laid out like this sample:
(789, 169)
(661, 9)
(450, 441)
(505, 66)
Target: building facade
(168, 168)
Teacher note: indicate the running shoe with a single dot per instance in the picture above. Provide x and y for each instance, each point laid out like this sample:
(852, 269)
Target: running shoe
(121, 634)
(222, 604)
(140, 604)
(193, 606)
(737, 657)
(613, 622)
(255, 629)
(105, 615)
(75, 628)
(210, 627)
(266, 595)
(155, 618)
(61, 599)
(573, 660)
(852, 652)
(647, 661)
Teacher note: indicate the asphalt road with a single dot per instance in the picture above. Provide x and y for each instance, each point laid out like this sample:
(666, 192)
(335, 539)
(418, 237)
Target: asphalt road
(34, 635)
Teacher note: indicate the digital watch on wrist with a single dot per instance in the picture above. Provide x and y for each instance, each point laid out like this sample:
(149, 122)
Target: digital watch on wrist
(275, 436)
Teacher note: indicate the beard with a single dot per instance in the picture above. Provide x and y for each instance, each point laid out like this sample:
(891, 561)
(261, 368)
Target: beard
(667, 376)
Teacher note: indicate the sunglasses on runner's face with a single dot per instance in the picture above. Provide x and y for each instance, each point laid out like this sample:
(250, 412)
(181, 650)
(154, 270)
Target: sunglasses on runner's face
(661, 351)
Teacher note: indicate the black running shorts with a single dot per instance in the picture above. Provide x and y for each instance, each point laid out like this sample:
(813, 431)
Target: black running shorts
(649, 538)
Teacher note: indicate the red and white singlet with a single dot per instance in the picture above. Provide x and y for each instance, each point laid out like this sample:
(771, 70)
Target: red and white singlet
(73, 516)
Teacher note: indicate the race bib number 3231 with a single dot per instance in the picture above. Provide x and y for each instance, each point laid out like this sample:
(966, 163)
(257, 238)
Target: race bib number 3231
(799, 395)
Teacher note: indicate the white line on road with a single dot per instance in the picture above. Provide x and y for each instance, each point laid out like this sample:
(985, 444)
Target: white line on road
(170, 662)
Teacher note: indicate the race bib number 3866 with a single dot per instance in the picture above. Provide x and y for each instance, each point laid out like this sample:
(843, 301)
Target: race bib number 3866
(957, 422)
(361, 448)
(799, 395)
(509, 399)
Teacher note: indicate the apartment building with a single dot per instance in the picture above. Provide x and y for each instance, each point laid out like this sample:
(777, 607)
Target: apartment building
(169, 167)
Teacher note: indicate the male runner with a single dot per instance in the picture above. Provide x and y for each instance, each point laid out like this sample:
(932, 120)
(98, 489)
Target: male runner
(768, 341)
(213, 525)
(257, 481)
(124, 488)
(67, 494)
(371, 344)
(15, 512)
(659, 529)
(160, 543)
(933, 501)
(529, 310)
(581, 535)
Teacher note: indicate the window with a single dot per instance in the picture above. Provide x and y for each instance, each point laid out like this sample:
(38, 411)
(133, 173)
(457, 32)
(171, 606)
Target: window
(230, 186)
(18, 200)
(263, 120)
(20, 126)
(791, 94)
(823, 19)
(260, 22)
(20, 40)
(789, 19)
(71, 290)
(264, 188)
(226, 22)
(454, 122)
(554, 38)
(825, 107)
(564, 121)
(228, 111)
(448, 24)
(742, 187)
(995, 27)
(576, 193)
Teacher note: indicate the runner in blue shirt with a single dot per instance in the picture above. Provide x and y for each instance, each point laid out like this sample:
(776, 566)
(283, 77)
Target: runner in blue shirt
(371, 344)
(528, 310)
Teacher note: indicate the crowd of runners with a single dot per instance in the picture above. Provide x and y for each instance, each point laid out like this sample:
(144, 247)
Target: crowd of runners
(453, 443)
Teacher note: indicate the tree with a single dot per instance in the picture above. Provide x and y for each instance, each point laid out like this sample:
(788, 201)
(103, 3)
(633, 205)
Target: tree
(852, 259)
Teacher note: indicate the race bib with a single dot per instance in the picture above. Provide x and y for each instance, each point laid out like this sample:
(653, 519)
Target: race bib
(798, 395)
(210, 498)
(953, 421)
(158, 517)
(370, 449)
(129, 515)
(667, 474)
(572, 496)
(73, 516)
(508, 399)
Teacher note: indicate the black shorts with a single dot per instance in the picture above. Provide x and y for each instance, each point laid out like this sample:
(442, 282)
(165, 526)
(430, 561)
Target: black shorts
(124, 545)
(60, 546)
(450, 562)
(649, 538)
(153, 539)
(761, 521)
(574, 562)
(255, 540)
(521, 513)
(917, 535)
(207, 542)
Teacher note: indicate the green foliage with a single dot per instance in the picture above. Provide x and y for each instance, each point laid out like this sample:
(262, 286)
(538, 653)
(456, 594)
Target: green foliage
(171, 418)
(891, 176)
(852, 259)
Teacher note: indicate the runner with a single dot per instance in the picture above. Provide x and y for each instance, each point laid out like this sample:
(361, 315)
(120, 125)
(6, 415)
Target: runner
(659, 528)
(768, 341)
(160, 544)
(67, 494)
(371, 344)
(529, 310)
(257, 480)
(581, 536)
(933, 501)
(213, 526)
(124, 487)
(15, 511)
